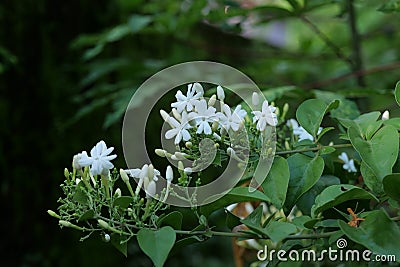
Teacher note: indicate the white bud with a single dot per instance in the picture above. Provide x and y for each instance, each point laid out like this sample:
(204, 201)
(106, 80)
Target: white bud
(117, 193)
(124, 176)
(151, 171)
(179, 155)
(77, 181)
(212, 100)
(151, 189)
(188, 144)
(180, 165)
(176, 114)
(255, 99)
(216, 136)
(161, 152)
(385, 115)
(76, 158)
(230, 151)
(169, 175)
(107, 238)
(164, 115)
(220, 93)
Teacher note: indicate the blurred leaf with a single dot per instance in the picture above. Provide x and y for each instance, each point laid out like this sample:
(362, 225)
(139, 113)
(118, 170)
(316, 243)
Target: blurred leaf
(231, 220)
(276, 184)
(138, 22)
(362, 123)
(311, 112)
(337, 194)
(378, 233)
(157, 243)
(391, 186)
(348, 109)
(304, 173)
(372, 181)
(80, 195)
(237, 194)
(102, 67)
(390, 6)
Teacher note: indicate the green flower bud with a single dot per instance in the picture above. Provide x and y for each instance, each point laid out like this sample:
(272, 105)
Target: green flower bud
(188, 144)
(66, 173)
(124, 176)
(161, 152)
(103, 224)
(53, 214)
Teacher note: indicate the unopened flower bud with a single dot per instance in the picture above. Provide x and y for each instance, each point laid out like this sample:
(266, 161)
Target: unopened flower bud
(385, 115)
(230, 151)
(117, 193)
(161, 152)
(164, 115)
(169, 173)
(220, 93)
(188, 144)
(75, 160)
(216, 145)
(180, 165)
(53, 214)
(180, 155)
(103, 224)
(176, 114)
(150, 171)
(65, 223)
(144, 172)
(66, 173)
(211, 101)
(214, 126)
(285, 108)
(255, 99)
(287, 146)
(77, 181)
(124, 176)
(106, 238)
(216, 136)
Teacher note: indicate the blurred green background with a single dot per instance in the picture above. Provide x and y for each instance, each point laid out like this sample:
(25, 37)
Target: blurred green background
(69, 68)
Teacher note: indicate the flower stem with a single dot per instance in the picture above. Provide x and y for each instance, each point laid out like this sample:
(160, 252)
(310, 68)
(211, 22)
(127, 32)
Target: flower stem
(310, 149)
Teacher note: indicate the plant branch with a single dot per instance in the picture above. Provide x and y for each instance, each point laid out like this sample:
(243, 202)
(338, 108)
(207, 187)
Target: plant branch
(336, 50)
(310, 149)
(356, 43)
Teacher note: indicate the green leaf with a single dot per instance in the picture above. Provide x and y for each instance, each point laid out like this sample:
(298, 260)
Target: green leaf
(173, 219)
(395, 122)
(362, 122)
(138, 22)
(390, 6)
(123, 202)
(370, 179)
(380, 152)
(378, 233)
(397, 92)
(327, 150)
(80, 195)
(391, 186)
(304, 173)
(307, 200)
(237, 194)
(157, 243)
(253, 220)
(278, 231)
(311, 112)
(119, 242)
(324, 131)
(86, 216)
(337, 194)
(276, 184)
(231, 219)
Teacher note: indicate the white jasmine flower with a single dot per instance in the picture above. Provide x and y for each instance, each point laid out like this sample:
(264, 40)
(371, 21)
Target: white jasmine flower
(347, 164)
(240, 112)
(77, 158)
(202, 116)
(99, 160)
(385, 115)
(194, 92)
(228, 119)
(299, 131)
(265, 116)
(179, 129)
(151, 189)
(145, 171)
(220, 93)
